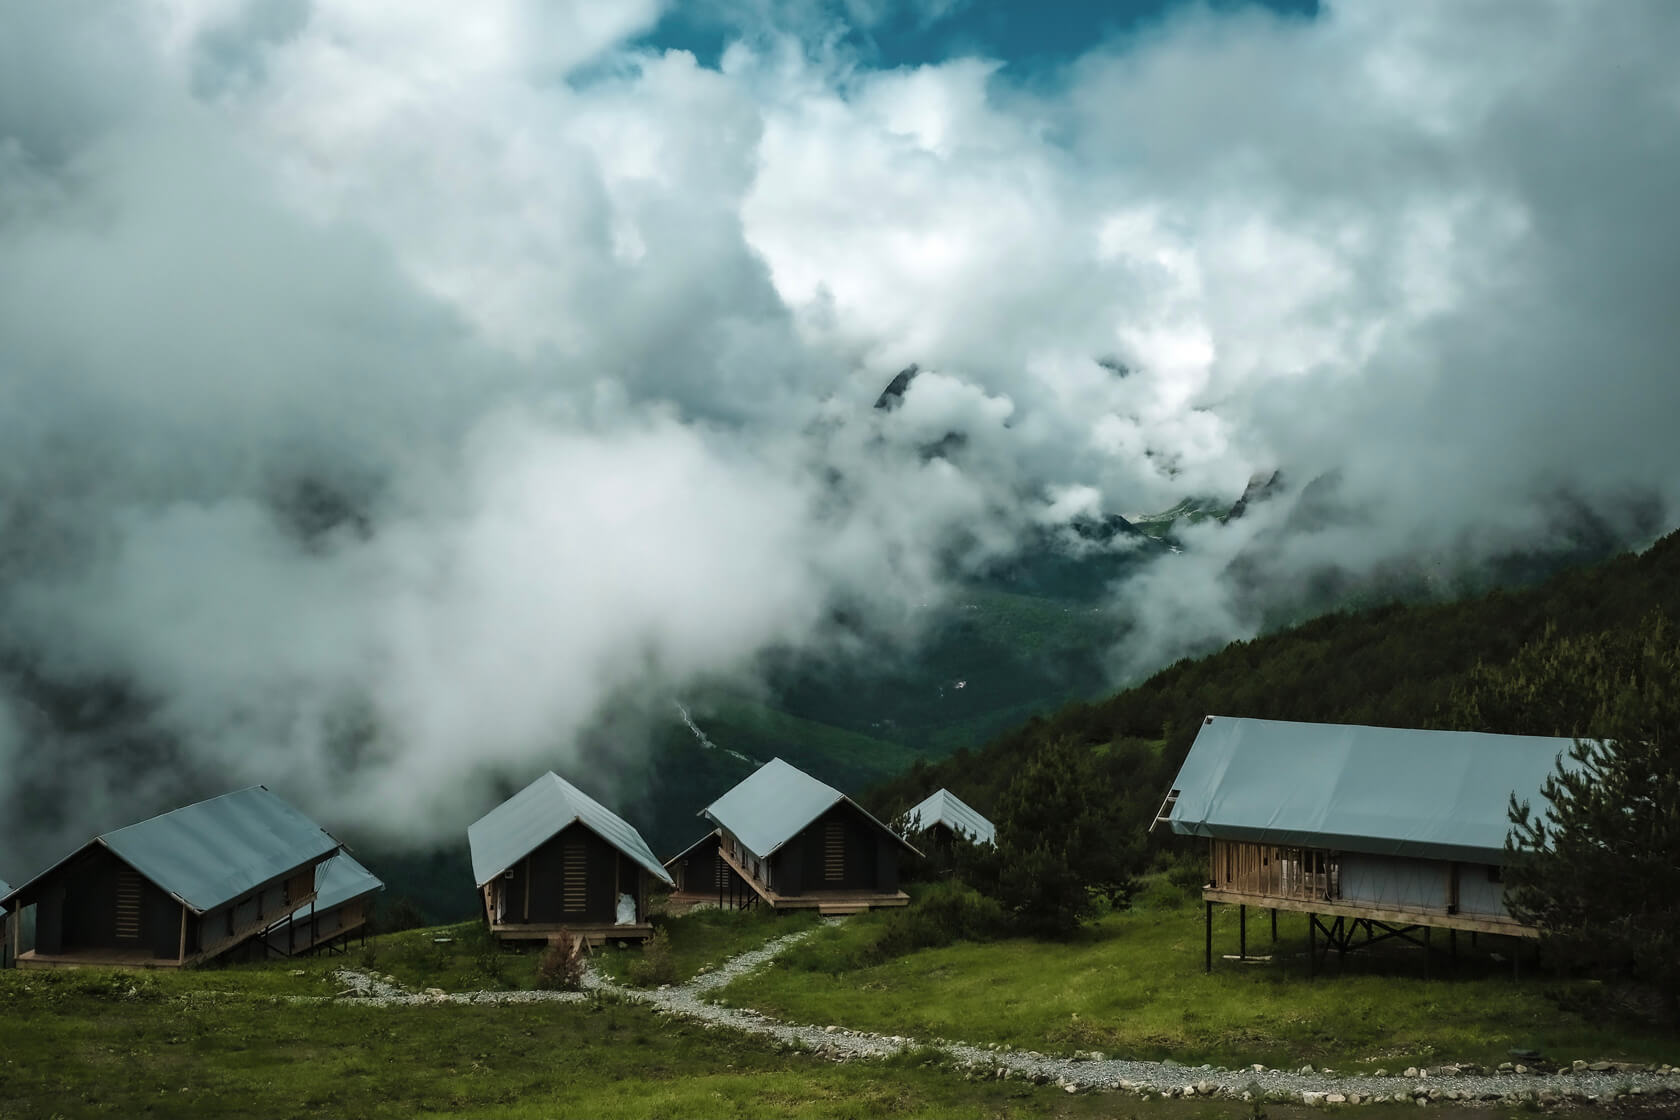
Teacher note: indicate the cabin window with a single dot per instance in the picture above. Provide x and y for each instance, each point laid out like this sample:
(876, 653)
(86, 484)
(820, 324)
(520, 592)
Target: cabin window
(834, 851)
(575, 869)
(1496, 874)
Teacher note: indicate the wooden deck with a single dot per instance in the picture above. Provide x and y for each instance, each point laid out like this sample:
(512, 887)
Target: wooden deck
(1341, 907)
(95, 958)
(592, 933)
(826, 903)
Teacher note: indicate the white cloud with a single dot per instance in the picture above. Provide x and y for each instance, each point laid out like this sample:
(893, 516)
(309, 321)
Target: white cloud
(582, 339)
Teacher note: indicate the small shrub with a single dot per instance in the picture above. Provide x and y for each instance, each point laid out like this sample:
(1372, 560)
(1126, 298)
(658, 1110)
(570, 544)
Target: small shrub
(562, 965)
(655, 965)
(1189, 876)
(943, 914)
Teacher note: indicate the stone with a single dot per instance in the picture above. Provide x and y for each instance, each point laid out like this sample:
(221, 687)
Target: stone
(1599, 1067)
(1335, 1098)
(1355, 1098)
(1070, 1088)
(1507, 1067)
(1411, 1071)
(1310, 1097)
(1257, 1068)
(1305, 1071)
(1521, 1068)
(1189, 1090)
(1577, 1065)
(1381, 1073)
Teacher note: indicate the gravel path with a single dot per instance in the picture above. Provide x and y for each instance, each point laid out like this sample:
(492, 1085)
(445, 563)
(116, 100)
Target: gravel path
(1511, 1083)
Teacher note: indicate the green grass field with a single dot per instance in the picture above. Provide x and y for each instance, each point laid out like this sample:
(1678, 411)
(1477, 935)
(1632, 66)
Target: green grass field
(1133, 986)
(706, 938)
(233, 1042)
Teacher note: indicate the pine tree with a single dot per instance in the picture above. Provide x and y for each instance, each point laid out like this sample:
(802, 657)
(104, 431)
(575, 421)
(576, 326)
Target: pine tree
(1598, 870)
(1063, 846)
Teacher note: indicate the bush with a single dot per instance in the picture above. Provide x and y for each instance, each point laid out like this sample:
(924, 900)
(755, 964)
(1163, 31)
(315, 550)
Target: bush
(562, 965)
(1190, 876)
(655, 965)
(942, 914)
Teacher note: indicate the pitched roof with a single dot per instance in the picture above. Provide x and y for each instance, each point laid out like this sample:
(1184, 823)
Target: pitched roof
(1385, 790)
(775, 803)
(213, 851)
(5, 888)
(527, 820)
(946, 808)
(341, 879)
(710, 836)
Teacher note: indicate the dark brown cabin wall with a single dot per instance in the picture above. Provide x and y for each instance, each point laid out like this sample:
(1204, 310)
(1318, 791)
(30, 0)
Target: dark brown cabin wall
(547, 871)
(857, 835)
(886, 864)
(787, 867)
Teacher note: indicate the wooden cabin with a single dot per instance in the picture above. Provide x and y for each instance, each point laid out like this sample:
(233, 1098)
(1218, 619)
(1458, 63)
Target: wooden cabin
(5, 929)
(176, 889)
(342, 906)
(551, 856)
(702, 875)
(802, 844)
(941, 819)
(1373, 831)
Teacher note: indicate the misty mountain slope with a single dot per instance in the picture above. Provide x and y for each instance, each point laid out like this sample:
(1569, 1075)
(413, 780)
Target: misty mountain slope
(1425, 665)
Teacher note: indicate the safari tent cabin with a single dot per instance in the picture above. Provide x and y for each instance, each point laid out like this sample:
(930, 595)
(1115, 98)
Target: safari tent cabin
(176, 889)
(1375, 830)
(551, 856)
(702, 875)
(802, 844)
(943, 817)
(343, 902)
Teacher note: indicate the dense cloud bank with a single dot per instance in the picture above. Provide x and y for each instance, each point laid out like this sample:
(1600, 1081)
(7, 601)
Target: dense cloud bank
(388, 394)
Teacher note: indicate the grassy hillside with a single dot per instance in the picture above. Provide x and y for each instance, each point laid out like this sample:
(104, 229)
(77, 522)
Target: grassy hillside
(1132, 984)
(271, 1040)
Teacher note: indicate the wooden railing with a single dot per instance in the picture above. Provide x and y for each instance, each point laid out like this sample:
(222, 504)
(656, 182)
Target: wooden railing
(1307, 874)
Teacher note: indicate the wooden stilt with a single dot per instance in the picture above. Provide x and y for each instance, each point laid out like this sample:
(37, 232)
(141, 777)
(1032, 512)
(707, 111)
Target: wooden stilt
(1207, 964)
(1312, 944)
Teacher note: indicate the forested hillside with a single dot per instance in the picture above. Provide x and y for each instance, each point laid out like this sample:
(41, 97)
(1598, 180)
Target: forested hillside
(1540, 661)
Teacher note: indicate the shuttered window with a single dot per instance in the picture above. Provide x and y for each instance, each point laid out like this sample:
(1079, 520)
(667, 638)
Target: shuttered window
(834, 851)
(128, 905)
(575, 868)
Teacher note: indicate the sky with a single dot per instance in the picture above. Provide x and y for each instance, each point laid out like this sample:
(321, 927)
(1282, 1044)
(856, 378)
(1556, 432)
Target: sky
(390, 394)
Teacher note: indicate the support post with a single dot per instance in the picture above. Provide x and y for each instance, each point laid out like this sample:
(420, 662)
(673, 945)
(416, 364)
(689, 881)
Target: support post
(1274, 925)
(182, 957)
(1207, 964)
(1312, 944)
(1426, 953)
(1242, 931)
